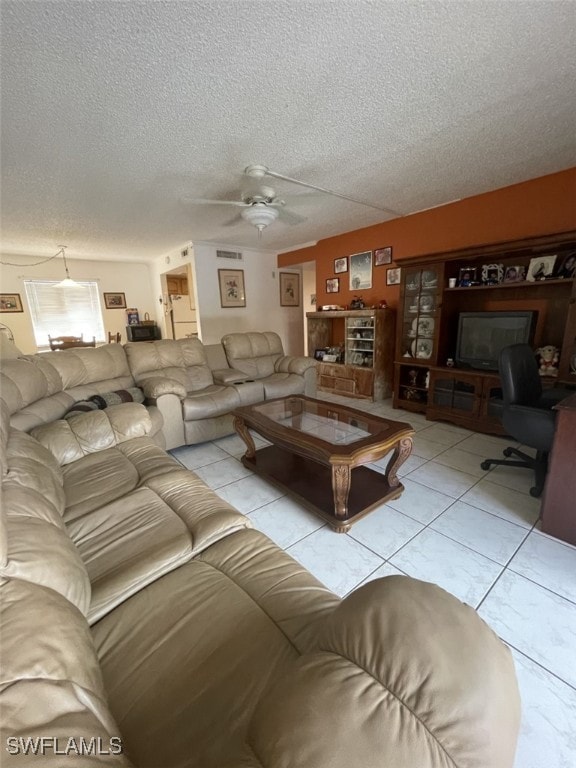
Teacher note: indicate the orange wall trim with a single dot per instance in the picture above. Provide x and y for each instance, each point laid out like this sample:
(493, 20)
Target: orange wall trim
(537, 207)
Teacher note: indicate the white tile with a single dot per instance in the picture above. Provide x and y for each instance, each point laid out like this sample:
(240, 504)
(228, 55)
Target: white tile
(235, 446)
(457, 458)
(548, 727)
(427, 449)
(488, 534)
(548, 562)
(419, 502)
(450, 481)
(222, 472)
(433, 557)
(486, 446)
(285, 521)
(446, 434)
(335, 559)
(504, 502)
(519, 478)
(536, 621)
(249, 493)
(193, 456)
(385, 530)
(411, 463)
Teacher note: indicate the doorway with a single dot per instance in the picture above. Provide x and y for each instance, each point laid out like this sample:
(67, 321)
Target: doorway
(180, 306)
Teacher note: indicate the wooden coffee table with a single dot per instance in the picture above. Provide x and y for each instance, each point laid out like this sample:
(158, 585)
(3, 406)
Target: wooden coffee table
(317, 452)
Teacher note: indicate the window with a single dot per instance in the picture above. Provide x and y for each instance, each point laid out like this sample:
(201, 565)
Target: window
(64, 311)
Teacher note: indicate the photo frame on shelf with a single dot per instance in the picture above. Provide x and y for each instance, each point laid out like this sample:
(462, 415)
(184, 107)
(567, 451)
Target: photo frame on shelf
(514, 274)
(541, 267)
(467, 276)
(10, 302)
(383, 256)
(361, 271)
(333, 285)
(232, 292)
(115, 300)
(341, 265)
(492, 274)
(319, 354)
(393, 276)
(132, 316)
(566, 266)
(289, 289)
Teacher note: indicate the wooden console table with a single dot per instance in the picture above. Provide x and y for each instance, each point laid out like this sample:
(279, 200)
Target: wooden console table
(559, 501)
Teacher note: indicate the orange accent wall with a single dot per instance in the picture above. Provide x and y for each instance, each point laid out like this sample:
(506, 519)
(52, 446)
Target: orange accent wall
(537, 207)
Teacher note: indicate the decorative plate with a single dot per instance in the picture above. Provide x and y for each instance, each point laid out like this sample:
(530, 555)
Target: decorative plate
(413, 283)
(426, 303)
(429, 279)
(422, 348)
(426, 326)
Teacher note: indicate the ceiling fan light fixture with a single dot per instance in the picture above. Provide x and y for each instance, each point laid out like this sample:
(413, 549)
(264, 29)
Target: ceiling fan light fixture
(259, 215)
(67, 282)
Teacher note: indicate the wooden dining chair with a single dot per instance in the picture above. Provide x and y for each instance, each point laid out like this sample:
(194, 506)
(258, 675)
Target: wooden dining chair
(114, 338)
(69, 342)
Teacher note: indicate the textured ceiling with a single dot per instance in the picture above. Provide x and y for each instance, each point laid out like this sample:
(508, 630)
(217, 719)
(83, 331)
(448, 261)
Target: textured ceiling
(113, 112)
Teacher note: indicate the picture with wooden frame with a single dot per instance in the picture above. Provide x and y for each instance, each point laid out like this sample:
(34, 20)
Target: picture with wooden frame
(333, 285)
(341, 265)
(289, 289)
(393, 276)
(383, 256)
(10, 302)
(232, 292)
(115, 300)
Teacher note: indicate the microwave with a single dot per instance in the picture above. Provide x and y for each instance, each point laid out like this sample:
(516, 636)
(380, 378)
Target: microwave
(139, 332)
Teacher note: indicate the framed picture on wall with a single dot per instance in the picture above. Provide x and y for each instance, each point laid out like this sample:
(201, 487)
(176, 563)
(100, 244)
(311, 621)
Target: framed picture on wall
(383, 256)
(10, 302)
(333, 285)
(341, 265)
(289, 289)
(361, 271)
(232, 293)
(393, 276)
(115, 300)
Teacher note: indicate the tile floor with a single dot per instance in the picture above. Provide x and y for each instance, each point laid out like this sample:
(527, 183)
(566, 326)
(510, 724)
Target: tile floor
(474, 533)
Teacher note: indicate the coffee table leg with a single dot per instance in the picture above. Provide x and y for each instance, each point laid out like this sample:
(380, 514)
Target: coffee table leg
(401, 452)
(244, 433)
(341, 475)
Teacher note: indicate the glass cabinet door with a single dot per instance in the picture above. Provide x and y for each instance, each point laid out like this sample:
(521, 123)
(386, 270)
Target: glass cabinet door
(360, 341)
(422, 289)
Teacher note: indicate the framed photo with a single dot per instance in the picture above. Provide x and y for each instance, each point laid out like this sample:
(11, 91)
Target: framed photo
(467, 276)
(492, 274)
(231, 282)
(393, 276)
(115, 300)
(383, 256)
(289, 289)
(361, 271)
(541, 267)
(319, 354)
(10, 302)
(132, 316)
(515, 274)
(341, 265)
(567, 266)
(333, 285)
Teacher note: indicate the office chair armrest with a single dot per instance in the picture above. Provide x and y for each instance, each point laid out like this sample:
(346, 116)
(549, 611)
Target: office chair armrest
(532, 426)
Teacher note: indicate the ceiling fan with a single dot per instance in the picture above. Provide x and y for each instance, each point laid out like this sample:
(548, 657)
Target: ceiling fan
(262, 207)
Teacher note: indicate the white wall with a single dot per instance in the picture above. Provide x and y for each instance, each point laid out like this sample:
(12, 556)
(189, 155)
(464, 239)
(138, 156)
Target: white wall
(131, 278)
(262, 311)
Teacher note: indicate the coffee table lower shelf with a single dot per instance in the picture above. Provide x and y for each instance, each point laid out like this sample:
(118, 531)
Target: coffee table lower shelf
(311, 483)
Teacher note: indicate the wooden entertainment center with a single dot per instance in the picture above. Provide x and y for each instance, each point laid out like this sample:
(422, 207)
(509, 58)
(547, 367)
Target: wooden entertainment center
(427, 326)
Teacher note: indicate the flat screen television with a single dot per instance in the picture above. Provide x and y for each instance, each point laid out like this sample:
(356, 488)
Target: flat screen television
(481, 336)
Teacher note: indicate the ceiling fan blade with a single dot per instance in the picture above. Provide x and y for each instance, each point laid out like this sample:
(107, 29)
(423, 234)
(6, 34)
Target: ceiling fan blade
(289, 217)
(233, 221)
(204, 201)
(259, 171)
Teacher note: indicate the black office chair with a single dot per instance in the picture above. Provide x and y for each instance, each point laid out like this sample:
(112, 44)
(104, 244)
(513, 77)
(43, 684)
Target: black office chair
(527, 413)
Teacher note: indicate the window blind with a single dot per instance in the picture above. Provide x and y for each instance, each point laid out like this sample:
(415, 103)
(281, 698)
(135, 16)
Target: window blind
(64, 311)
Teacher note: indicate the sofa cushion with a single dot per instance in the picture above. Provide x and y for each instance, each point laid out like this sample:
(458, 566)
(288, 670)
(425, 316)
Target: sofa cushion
(183, 360)
(253, 353)
(282, 385)
(128, 544)
(210, 401)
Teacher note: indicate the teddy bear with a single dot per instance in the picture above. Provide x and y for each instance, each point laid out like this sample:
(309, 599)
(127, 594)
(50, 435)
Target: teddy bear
(548, 360)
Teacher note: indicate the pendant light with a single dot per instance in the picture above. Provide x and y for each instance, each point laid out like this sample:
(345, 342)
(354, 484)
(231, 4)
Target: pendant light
(67, 282)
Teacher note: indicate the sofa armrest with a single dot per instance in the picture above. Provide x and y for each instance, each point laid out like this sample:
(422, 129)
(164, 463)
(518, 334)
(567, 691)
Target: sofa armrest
(229, 376)
(404, 675)
(298, 365)
(156, 386)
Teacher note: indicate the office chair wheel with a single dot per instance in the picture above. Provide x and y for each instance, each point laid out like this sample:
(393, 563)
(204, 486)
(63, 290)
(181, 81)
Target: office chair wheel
(536, 492)
(485, 464)
(507, 452)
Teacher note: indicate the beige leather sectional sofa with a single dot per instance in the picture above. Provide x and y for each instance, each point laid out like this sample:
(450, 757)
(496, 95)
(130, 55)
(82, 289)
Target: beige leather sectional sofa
(145, 623)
